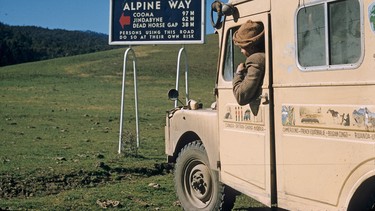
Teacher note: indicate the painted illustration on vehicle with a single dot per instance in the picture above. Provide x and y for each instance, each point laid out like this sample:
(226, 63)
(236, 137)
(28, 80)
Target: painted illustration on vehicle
(288, 115)
(242, 114)
(371, 13)
(363, 117)
(352, 117)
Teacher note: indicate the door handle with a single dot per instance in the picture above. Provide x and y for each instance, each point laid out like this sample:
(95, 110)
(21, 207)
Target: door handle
(265, 97)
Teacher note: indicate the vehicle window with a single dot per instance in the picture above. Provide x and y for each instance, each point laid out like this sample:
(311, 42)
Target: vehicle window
(233, 56)
(329, 34)
(229, 64)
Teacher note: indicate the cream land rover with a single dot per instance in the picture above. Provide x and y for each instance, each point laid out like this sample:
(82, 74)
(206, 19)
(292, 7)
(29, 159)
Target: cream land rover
(310, 143)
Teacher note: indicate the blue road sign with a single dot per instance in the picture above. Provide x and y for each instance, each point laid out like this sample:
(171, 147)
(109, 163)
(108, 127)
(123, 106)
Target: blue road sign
(139, 22)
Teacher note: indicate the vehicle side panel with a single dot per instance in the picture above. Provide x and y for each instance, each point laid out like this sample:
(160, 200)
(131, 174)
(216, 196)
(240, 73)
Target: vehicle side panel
(324, 120)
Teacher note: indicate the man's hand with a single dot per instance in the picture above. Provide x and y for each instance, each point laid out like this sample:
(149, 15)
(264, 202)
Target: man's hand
(241, 69)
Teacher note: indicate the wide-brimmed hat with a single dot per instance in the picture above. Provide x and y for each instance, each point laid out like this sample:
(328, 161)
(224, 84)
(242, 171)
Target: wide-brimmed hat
(248, 34)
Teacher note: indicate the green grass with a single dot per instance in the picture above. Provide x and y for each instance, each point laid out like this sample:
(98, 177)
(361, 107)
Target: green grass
(59, 126)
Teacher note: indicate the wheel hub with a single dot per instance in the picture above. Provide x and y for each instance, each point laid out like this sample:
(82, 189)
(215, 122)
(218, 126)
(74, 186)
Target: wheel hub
(200, 181)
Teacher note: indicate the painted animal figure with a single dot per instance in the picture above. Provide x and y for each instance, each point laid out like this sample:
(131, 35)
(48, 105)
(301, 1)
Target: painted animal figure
(335, 115)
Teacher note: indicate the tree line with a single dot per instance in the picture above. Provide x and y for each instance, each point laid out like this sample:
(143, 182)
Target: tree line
(19, 44)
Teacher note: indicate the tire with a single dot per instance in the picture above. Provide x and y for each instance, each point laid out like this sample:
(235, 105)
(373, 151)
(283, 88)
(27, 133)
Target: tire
(197, 186)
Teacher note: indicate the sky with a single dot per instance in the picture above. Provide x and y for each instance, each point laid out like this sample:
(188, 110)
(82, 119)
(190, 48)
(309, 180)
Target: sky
(92, 15)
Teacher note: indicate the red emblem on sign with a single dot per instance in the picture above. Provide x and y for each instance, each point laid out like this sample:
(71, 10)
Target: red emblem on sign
(124, 20)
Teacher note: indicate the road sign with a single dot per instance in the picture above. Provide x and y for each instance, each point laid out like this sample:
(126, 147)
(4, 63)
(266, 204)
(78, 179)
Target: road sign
(139, 22)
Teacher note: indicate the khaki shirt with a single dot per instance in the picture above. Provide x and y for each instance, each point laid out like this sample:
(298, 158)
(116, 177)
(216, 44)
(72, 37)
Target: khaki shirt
(247, 88)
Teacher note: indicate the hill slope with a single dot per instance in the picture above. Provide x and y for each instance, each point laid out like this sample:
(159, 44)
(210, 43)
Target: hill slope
(19, 44)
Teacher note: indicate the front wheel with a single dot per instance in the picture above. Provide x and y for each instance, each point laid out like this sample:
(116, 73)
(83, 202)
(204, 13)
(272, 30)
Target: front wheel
(364, 197)
(197, 186)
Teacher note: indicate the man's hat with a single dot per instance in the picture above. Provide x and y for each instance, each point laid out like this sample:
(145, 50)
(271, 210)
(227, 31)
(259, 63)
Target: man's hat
(248, 34)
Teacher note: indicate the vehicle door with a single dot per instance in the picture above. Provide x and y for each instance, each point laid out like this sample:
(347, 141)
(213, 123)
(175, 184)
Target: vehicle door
(244, 130)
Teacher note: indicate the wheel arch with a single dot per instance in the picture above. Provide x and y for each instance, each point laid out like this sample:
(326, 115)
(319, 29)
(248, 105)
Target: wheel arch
(210, 146)
(185, 139)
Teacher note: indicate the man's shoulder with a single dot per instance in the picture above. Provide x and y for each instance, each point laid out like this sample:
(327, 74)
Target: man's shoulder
(256, 58)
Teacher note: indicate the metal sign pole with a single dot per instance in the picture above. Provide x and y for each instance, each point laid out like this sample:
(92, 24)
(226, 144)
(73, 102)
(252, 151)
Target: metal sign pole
(172, 22)
(182, 50)
(126, 54)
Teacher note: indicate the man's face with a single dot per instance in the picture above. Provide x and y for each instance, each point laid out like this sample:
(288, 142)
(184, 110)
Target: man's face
(245, 52)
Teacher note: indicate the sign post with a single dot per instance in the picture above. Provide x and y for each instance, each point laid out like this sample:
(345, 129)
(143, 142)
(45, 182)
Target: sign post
(128, 52)
(182, 51)
(150, 22)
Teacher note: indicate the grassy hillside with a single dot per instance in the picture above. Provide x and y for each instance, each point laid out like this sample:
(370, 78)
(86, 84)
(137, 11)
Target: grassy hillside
(60, 123)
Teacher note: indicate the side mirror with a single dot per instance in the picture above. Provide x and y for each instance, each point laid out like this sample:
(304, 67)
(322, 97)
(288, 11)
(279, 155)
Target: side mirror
(216, 8)
(221, 10)
(173, 94)
(228, 9)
